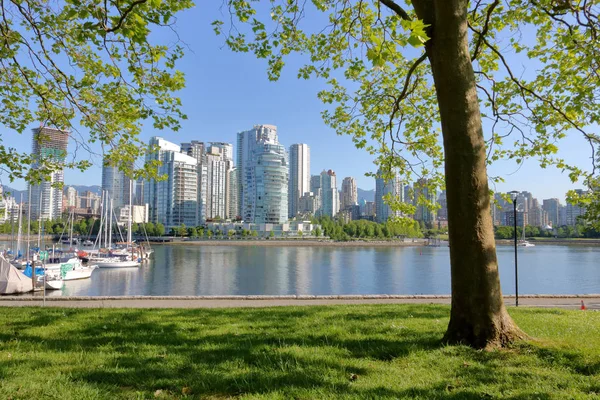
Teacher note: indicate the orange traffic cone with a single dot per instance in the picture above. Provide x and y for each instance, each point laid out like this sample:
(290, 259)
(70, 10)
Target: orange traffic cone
(582, 305)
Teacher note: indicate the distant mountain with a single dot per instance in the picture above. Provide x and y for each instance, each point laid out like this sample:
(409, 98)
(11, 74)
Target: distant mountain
(368, 195)
(80, 189)
(14, 192)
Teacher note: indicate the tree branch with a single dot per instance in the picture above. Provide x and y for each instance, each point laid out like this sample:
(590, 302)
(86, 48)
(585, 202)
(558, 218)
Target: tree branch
(124, 15)
(405, 88)
(485, 29)
(396, 8)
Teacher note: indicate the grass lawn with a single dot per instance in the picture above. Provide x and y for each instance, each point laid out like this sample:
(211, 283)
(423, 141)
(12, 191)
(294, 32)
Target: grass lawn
(336, 352)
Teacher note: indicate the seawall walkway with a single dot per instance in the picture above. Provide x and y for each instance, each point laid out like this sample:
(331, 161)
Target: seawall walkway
(592, 302)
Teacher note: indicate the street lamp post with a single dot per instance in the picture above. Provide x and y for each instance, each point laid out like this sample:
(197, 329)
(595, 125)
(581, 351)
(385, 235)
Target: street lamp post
(513, 195)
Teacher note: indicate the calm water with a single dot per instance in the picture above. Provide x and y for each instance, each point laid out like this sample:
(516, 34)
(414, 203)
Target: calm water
(196, 270)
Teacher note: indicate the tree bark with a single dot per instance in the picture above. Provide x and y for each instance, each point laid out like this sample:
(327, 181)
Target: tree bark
(478, 316)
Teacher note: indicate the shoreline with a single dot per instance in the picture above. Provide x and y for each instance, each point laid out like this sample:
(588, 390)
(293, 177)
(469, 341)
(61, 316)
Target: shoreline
(293, 243)
(330, 243)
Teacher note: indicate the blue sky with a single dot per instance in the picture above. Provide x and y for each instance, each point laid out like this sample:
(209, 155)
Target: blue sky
(228, 92)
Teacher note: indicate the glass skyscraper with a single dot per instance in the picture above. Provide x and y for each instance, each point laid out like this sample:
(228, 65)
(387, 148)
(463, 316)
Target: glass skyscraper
(330, 197)
(263, 174)
(392, 187)
(117, 186)
(299, 176)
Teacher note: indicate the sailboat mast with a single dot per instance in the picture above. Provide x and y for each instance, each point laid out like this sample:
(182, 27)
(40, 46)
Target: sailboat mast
(28, 219)
(28, 231)
(129, 233)
(19, 232)
(40, 221)
(72, 220)
(105, 219)
(101, 227)
(12, 228)
(110, 224)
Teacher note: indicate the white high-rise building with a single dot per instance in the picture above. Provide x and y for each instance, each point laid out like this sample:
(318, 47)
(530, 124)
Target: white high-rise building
(217, 169)
(349, 195)
(392, 187)
(263, 173)
(197, 150)
(117, 186)
(71, 193)
(299, 176)
(330, 198)
(9, 208)
(47, 197)
(225, 151)
(233, 200)
(174, 200)
(138, 199)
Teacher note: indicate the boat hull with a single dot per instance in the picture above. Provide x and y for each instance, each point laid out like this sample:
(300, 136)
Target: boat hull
(117, 264)
(54, 284)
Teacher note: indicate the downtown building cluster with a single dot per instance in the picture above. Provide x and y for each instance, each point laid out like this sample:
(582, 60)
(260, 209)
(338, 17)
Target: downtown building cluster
(549, 214)
(265, 184)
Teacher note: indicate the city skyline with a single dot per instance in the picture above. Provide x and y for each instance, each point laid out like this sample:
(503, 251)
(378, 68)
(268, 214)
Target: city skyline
(202, 185)
(204, 182)
(367, 182)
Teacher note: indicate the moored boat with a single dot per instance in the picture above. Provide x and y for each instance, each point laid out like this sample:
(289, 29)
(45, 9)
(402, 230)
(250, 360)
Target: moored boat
(71, 270)
(115, 262)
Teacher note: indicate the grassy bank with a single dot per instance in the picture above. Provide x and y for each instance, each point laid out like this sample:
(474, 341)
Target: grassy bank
(376, 352)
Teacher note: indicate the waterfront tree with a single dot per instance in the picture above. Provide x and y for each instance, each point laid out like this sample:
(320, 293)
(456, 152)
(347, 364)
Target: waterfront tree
(159, 229)
(408, 80)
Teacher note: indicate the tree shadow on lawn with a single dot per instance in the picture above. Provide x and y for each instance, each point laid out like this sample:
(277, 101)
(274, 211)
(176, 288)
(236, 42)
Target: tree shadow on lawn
(258, 351)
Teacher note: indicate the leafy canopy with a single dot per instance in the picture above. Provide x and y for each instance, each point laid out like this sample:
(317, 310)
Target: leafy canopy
(87, 67)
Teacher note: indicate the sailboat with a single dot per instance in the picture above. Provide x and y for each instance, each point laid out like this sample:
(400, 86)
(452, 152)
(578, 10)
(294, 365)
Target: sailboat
(70, 270)
(13, 281)
(112, 259)
(70, 267)
(523, 242)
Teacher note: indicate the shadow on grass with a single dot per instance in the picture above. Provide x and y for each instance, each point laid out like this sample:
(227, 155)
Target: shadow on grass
(564, 358)
(262, 351)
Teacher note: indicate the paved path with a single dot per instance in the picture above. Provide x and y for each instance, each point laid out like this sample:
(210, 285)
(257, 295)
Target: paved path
(592, 302)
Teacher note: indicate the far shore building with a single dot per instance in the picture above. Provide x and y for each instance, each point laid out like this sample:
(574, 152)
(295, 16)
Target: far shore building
(47, 197)
(174, 200)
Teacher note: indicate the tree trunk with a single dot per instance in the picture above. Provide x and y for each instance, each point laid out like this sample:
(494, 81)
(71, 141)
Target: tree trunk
(478, 316)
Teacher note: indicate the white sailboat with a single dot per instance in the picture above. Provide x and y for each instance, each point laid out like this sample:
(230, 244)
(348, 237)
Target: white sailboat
(113, 259)
(523, 242)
